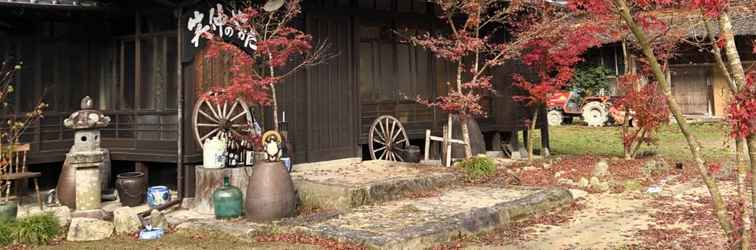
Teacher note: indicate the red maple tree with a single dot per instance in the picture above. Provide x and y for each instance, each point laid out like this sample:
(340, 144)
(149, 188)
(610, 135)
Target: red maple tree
(652, 35)
(280, 50)
(553, 56)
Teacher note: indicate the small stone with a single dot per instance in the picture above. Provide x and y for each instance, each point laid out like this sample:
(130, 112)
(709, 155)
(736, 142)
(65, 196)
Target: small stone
(577, 193)
(529, 168)
(601, 169)
(632, 185)
(564, 181)
(157, 220)
(126, 219)
(87, 229)
(602, 186)
(595, 181)
(546, 166)
(653, 167)
(583, 183)
(62, 213)
(558, 174)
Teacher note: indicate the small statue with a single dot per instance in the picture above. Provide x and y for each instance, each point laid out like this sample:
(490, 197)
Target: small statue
(272, 143)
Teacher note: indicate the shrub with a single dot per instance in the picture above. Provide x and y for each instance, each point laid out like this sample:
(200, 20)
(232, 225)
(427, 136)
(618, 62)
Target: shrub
(5, 234)
(478, 166)
(590, 79)
(35, 229)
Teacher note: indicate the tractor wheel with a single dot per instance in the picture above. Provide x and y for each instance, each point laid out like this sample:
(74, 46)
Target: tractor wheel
(555, 118)
(595, 114)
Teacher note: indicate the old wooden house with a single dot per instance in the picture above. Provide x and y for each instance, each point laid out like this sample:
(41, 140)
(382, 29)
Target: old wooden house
(135, 59)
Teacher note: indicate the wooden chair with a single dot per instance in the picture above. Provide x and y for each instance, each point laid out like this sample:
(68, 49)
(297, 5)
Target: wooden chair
(16, 172)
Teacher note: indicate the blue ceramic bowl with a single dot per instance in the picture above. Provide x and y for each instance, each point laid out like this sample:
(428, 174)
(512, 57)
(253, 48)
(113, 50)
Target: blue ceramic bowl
(158, 195)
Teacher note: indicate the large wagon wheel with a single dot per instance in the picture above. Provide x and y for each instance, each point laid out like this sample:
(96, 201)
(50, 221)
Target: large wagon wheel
(210, 118)
(388, 139)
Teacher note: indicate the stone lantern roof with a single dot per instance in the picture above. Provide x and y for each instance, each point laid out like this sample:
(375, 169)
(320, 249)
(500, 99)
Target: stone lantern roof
(87, 117)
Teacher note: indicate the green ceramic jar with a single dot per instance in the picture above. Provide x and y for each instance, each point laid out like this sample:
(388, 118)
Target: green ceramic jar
(227, 201)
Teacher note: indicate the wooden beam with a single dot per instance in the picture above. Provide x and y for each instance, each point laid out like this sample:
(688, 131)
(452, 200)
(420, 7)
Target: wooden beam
(166, 3)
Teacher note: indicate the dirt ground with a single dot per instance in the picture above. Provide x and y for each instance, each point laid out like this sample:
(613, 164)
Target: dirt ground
(184, 239)
(626, 221)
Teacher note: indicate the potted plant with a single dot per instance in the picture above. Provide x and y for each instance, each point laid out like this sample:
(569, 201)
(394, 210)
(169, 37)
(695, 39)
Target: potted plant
(14, 125)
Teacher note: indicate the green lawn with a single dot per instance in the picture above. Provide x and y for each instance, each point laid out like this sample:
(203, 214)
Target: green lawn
(606, 141)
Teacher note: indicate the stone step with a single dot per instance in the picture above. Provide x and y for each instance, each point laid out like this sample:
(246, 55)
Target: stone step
(425, 222)
(345, 185)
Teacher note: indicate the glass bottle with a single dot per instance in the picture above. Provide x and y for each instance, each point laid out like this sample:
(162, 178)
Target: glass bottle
(227, 201)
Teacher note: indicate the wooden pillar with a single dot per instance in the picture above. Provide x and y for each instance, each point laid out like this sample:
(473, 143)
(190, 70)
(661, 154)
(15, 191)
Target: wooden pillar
(514, 141)
(545, 145)
(142, 167)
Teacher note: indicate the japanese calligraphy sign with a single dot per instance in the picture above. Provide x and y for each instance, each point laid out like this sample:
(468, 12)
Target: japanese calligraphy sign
(223, 26)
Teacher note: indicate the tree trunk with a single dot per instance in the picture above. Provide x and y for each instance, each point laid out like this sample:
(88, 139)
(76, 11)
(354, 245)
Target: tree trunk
(737, 78)
(273, 95)
(638, 142)
(530, 134)
(625, 130)
(695, 147)
(466, 136)
(752, 153)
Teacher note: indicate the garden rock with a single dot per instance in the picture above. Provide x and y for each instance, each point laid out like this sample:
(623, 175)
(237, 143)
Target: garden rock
(477, 142)
(652, 167)
(87, 229)
(632, 185)
(62, 213)
(564, 181)
(601, 169)
(595, 181)
(157, 220)
(577, 193)
(126, 219)
(602, 186)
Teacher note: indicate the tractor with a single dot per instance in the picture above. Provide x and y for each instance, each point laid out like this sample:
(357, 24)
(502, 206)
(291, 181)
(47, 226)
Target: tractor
(564, 106)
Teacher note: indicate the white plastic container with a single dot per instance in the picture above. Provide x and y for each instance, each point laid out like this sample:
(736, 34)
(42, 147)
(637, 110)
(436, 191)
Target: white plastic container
(214, 153)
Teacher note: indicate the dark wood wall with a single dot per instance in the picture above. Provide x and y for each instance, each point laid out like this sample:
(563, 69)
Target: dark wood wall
(127, 66)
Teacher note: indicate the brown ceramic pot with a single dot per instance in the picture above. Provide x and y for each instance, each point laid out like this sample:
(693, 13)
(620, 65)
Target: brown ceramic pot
(132, 187)
(66, 190)
(270, 193)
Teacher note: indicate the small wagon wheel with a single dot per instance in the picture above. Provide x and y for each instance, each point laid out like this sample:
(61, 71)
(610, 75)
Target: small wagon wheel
(210, 118)
(388, 139)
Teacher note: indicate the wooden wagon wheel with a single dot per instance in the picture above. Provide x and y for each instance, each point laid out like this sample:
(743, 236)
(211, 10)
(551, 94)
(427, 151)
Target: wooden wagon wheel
(387, 139)
(210, 118)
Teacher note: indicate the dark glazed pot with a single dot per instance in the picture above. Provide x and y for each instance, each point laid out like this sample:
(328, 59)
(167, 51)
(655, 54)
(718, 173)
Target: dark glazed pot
(132, 187)
(270, 193)
(413, 154)
(66, 190)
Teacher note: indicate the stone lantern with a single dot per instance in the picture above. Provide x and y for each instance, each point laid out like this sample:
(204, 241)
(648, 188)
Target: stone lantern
(86, 171)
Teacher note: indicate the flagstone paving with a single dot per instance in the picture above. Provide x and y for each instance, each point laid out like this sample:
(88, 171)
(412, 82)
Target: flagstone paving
(421, 223)
(350, 185)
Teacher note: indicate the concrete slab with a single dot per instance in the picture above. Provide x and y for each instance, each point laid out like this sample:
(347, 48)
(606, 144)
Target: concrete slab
(421, 223)
(346, 185)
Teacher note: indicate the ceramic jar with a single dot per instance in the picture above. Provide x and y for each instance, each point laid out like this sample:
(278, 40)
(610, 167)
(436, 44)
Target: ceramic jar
(158, 195)
(131, 188)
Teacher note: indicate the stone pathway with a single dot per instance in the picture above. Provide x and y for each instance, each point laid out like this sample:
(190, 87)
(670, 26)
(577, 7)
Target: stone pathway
(421, 223)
